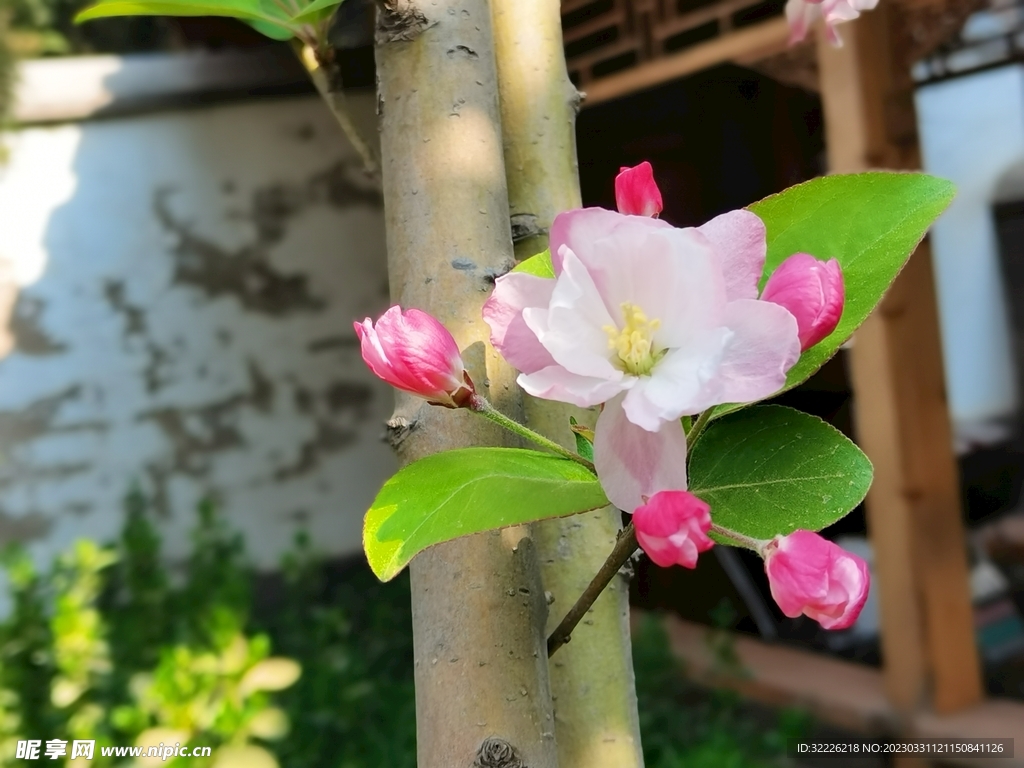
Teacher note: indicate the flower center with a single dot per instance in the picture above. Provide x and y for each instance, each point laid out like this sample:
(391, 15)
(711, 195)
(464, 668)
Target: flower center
(634, 343)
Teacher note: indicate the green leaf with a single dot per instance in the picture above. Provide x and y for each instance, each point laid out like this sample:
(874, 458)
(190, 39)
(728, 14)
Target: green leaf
(584, 439)
(768, 470)
(466, 491)
(265, 13)
(273, 31)
(316, 11)
(870, 222)
(539, 265)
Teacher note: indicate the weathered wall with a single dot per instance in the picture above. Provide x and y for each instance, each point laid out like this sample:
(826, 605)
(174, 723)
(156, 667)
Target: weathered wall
(180, 290)
(972, 131)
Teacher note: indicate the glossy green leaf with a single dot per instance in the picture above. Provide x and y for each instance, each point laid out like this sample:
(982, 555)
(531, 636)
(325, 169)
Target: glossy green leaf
(539, 265)
(316, 11)
(273, 31)
(768, 470)
(265, 13)
(870, 222)
(466, 491)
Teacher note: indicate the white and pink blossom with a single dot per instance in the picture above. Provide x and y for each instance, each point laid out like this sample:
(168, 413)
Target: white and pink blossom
(802, 14)
(652, 321)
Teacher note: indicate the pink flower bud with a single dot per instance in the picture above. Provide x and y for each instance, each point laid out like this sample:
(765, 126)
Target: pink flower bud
(812, 291)
(636, 193)
(413, 352)
(672, 527)
(812, 576)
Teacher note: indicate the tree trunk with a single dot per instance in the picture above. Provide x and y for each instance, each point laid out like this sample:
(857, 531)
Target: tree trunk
(592, 683)
(482, 692)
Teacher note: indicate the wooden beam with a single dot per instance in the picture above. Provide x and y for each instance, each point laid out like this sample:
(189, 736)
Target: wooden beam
(723, 9)
(901, 416)
(745, 46)
(611, 19)
(840, 693)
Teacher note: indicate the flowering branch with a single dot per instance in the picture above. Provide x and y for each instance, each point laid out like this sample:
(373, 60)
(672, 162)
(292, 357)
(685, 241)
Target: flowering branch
(624, 548)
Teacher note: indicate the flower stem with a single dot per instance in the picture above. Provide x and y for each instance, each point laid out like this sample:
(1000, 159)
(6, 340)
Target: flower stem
(479, 404)
(742, 540)
(624, 548)
(698, 426)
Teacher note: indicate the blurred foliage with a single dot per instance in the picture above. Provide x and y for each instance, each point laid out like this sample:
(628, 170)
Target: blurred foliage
(46, 28)
(33, 28)
(110, 645)
(104, 646)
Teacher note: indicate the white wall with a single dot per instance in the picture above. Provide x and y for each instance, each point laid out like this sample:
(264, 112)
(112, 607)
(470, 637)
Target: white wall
(972, 131)
(185, 287)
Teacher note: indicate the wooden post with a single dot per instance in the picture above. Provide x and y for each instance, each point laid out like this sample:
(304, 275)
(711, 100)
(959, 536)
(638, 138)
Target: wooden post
(901, 417)
(596, 721)
(482, 692)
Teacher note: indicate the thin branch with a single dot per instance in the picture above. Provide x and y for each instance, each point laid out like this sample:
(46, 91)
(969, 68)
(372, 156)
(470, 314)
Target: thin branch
(324, 77)
(620, 554)
(624, 548)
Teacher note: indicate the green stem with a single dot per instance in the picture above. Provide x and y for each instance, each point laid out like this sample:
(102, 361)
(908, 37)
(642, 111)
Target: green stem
(479, 404)
(742, 540)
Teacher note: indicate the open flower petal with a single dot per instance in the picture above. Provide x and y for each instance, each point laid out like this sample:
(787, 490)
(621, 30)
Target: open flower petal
(585, 230)
(572, 328)
(556, 383)
(503, 312)
(632, 462)
(687, 383)
(739, 239)
(763, 346)
(673, 275)
(801, 14)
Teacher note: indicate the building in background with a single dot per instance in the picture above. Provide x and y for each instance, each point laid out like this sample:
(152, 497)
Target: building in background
(180, 273)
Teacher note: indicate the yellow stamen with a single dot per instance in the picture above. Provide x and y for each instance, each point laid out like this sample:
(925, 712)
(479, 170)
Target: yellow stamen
(634, 343)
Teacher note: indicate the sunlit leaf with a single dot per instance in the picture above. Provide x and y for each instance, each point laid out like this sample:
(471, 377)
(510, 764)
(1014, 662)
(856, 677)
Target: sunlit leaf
(456, 493)
(870, 222)
(539, 265)
(265, 15)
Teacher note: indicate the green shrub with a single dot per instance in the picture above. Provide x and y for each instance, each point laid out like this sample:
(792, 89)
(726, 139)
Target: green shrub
(107, 646)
